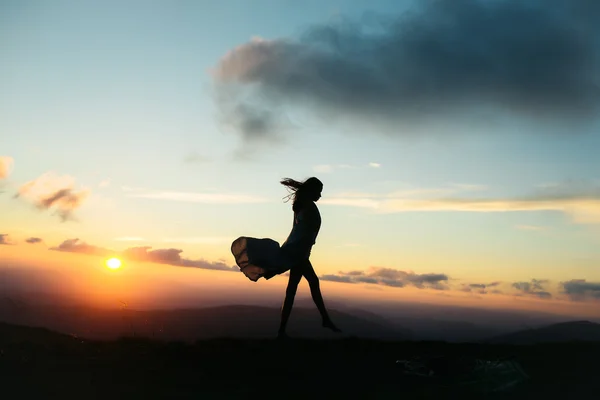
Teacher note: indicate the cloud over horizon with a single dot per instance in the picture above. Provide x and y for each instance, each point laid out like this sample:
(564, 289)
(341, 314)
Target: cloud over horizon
(169, 256)
(390, 277)
(535, 287)
(580, 202)
(581, 289)
(196, 197)
(481, 288)
(440, 58)
(4, 238)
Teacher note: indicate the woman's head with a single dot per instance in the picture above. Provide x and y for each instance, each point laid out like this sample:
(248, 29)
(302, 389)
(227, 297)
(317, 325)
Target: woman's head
(302, 192)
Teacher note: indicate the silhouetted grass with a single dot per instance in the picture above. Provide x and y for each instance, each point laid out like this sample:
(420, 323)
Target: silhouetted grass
(44, 364)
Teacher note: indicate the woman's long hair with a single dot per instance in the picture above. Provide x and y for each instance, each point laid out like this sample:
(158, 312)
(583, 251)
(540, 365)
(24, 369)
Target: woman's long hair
(300, 190)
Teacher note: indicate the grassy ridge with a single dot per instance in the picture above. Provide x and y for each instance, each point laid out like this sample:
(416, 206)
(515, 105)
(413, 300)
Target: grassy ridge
(37, 362)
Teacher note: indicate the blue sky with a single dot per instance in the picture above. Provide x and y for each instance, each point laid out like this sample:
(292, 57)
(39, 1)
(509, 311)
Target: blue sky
(120, 97)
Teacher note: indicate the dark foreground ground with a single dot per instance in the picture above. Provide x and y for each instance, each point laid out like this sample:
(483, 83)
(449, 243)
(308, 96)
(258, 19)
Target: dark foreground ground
(35, 363)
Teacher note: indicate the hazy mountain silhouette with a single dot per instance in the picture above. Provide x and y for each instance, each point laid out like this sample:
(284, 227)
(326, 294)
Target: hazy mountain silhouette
(71, 315)
(583, 331)
(236, 321)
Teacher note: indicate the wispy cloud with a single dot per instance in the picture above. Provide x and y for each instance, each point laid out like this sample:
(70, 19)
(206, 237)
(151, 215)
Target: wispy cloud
(78, 246)
(374, 165)
(53, 192)
(535, 287)
(4, 239)
(582, 205)
(34, 240)
(195, 197)
(390, 277)
(480, 288)
(168, 256)
(6, 164)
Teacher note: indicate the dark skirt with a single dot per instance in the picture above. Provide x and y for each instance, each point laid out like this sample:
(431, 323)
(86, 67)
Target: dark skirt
(264, 258)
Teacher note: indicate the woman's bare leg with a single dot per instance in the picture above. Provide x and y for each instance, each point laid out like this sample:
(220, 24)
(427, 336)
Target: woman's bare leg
(315, 291)
(290, 294)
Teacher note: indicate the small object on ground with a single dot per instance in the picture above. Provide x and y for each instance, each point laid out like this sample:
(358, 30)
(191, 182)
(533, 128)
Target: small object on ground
(470, 373)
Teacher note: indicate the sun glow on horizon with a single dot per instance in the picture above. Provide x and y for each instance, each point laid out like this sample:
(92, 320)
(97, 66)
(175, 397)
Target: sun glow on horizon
(113, 263)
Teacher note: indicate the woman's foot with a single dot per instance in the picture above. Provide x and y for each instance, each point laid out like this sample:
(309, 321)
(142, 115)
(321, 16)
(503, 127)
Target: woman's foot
(331, 325)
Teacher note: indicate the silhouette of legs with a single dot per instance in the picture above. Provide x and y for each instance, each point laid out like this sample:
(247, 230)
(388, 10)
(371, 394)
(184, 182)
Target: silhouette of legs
(305, 269)
(315, 291)
(290, 294)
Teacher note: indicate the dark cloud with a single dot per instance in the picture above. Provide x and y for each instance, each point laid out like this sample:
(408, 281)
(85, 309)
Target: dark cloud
(4, 238)
(537, 59)
(533, 288)
(172, 257)
(34, 240)
(390, 277)
(580, 289)
(144, 254)
(481, 288)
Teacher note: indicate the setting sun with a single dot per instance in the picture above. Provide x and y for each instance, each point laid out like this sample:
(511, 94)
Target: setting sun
(113, 263)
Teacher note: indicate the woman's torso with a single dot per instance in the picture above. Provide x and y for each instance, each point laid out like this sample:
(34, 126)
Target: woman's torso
(305, 229)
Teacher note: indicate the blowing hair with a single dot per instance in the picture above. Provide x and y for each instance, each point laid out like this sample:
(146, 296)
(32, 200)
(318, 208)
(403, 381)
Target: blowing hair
(299, 190)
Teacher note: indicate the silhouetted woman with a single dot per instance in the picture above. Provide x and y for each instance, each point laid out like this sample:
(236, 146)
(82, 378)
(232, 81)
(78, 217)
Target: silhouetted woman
(264, 258)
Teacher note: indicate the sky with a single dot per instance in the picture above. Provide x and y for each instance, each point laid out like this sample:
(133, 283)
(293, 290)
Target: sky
(457, 142)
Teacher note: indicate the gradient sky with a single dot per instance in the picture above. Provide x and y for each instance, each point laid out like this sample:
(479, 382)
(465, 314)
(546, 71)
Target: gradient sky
(454, 156)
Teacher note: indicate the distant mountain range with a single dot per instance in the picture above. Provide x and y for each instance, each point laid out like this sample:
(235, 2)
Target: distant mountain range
(580, 331)
(196, 324)
(244, 321)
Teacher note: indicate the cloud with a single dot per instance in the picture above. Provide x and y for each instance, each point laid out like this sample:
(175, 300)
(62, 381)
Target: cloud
(374, 165)
(390, 277)
(4, 239)
(53, 192)
(169, 256)
(439, 58)
(580, 289)
(480, 288)
(104, 183)
(78, 246)
(34, 240)
(533, 288)
(6, 164)
(582, 204)
(194, 197)
(172, 257)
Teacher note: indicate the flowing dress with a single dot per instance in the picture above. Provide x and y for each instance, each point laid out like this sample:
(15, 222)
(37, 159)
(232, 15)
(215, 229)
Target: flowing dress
(264, 258)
